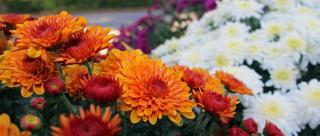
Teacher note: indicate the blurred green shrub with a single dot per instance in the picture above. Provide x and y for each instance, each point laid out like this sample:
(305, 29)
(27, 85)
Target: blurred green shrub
(22, 6)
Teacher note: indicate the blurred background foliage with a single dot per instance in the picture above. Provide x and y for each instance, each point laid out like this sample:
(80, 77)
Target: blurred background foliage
(29, 6)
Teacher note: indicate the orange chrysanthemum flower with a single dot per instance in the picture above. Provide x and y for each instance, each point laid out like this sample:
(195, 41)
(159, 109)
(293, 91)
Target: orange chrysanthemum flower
(233, 83)
(153, 90)
(200, 79)
(114, 61)
(13, 19)
(75, 79)
(216, 104)
(17, 69)
(9, 129)
(46, 32)
(90, 123)
(84, 45)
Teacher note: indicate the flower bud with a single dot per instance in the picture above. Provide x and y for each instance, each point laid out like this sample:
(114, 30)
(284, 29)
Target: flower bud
(250, 125)
(31, 122)
(38, 103)
(53, 85)
(272, 130)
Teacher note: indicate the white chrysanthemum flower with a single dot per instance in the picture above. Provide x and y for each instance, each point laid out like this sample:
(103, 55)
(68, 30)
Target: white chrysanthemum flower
(242, 9)
(254, 51)
(283, 77)
(309, 101)
(273, 28)
(294, 42)
(276, 108)
(168, 47)
(282, 5)
(222, 59)
(250, 78)
(194, 57)
(170, 59)
(236, 29)
(312, 56)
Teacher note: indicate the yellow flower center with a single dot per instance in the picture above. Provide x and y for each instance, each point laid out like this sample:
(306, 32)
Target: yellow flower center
(314, 96)
(253, 49)
(282, 2)
(222, 61)
(304, 10)
(282, 75)
(273, 29)
(272, 110)
(245, 5)
(232, 31)
(234, 45)
(295, 43)
(312, 24)
(193, 57)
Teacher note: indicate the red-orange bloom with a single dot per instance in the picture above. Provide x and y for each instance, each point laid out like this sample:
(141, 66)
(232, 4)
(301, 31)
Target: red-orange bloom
(13, 19)
(233, 83)
(90, 123)
(84, 45)
(102, 89)
(217, 104)
(200, 79)
(47, 32)
(17, 69)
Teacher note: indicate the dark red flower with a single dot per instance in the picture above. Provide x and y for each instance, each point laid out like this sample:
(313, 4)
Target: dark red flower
(236, 131)
(272, 130)
(215, 103)
(250, 125)
(53, 85)
(193, 79)
(102, 89)
(38, 103)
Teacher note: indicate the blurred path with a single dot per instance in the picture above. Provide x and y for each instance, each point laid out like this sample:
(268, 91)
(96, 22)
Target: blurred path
(113, 19)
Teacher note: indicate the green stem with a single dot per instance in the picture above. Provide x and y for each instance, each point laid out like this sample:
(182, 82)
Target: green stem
(59, 67)
(3, 40)
(63, 96)
(68, 104)
(89, 67)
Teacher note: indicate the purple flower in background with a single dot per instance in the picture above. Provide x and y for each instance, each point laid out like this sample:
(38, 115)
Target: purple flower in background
(142, 41)
(210, 4)
(183, 4)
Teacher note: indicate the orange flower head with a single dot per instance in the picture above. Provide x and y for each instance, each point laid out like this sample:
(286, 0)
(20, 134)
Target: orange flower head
(17, 69)
(75, 79)
(13, 19)
(200, 79)
(9, 129)
(152, 90)
(217, 104)
(46, 32)
(84, 45)
(102, 89)
(233, 83)
(90, 123)
(114, 61)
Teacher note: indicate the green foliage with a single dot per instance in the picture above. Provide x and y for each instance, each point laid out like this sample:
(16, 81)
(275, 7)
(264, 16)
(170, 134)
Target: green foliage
(23, 6)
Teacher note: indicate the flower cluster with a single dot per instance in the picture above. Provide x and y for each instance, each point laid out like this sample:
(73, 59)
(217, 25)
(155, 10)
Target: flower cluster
(269, 45)
(55, 57)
